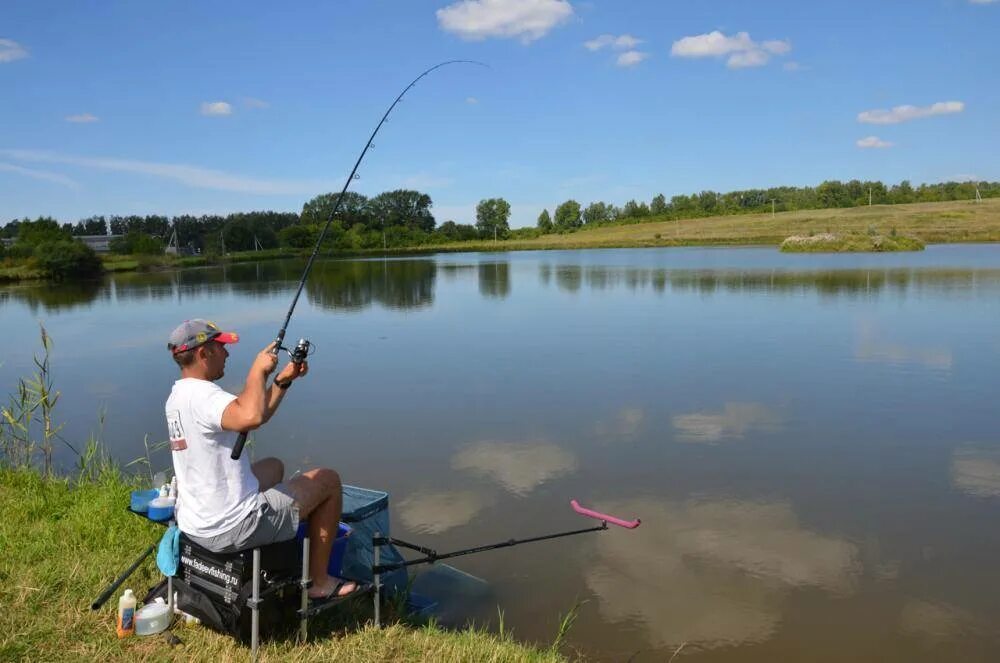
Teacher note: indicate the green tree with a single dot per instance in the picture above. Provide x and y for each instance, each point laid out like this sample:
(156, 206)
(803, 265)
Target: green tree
(42, 229)
(64, 258)
(402, 207)
(354, 209)
(492, 215)
(568, 216)
(545, 221)
(596, 213)
(658, 205)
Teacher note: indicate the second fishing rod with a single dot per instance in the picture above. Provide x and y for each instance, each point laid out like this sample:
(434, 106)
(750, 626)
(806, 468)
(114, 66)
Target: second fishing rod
(301, 350)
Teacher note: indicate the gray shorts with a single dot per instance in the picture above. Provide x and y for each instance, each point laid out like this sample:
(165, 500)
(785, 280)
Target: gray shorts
(275, 518)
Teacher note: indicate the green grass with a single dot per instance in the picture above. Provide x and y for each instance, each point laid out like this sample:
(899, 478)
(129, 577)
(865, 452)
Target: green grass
(62, 542)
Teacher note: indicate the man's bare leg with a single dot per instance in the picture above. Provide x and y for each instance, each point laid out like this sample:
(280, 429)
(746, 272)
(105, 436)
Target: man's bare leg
(318, 495)
(269, 472)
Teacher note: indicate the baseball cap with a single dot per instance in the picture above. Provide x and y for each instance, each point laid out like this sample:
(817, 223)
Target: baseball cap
(192, 333)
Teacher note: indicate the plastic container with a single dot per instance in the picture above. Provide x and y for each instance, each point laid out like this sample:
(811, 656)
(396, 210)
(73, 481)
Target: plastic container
(126, 614)
(152, 618)
(141, 498)
(161, 508)
(336, 563)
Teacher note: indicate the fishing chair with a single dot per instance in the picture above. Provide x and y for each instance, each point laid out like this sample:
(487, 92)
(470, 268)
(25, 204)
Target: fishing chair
(238, 593)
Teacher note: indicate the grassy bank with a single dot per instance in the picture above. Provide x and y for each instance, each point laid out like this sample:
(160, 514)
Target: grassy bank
(930, 222)
(63, 543)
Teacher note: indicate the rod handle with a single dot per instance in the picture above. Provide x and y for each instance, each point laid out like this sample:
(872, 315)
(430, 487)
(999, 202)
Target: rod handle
(590, 513)
(238, 447)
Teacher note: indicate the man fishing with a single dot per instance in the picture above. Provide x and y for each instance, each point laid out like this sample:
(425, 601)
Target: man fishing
(226, 505)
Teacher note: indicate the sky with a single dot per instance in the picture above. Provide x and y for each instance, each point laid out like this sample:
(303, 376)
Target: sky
(192, 107)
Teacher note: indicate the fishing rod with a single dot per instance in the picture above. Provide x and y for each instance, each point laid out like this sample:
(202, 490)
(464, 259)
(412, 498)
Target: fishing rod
(301, 350)
(117, 582)
(431, 556)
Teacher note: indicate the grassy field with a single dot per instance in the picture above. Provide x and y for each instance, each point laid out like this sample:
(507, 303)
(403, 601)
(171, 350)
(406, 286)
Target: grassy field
(62, 544)
(964, 221)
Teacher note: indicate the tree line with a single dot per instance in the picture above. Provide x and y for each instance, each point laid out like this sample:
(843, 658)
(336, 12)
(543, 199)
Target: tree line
(404, 217)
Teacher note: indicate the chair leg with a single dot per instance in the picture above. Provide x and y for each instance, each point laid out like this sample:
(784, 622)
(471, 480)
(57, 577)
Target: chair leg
(305, 591)
(377, 577)
(255, 608)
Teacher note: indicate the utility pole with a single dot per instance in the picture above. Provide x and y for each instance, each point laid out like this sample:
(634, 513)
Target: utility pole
(772, 208)
(494, 234)
(869, 196)
(222, 239)
(979, 198)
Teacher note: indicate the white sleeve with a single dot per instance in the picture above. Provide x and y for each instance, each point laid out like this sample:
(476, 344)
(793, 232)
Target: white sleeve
(210, 408)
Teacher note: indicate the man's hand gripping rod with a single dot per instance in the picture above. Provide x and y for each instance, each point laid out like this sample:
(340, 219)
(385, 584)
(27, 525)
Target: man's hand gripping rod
(297, 355)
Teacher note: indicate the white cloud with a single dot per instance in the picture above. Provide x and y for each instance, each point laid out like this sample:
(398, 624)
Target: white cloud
(433, 513)
(10, 50)
(216, 108)
(906, 113)
(741, 49)
(40, 175)
(519, 468)
(713, 573)
(252, 102)
(734, 421)
(631, 58)
(525, 19)
(976, 471)
(193, 176)
(872, 142)
(793, 66)
(471, 100)
(82, 118)
(621, 42)
(982, 2)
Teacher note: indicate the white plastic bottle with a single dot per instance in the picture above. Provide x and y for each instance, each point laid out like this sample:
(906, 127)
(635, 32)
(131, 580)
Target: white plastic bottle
(126, 614)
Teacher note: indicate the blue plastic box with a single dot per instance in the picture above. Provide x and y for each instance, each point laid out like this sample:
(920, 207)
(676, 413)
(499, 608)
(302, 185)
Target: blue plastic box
(335, 566)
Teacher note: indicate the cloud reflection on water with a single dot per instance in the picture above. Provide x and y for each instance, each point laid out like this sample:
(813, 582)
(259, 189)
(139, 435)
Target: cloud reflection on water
(976, 471)
(714, 573)
(871, 349)
(626, 423)
(518, 467)
(734, 421)
(433, 513)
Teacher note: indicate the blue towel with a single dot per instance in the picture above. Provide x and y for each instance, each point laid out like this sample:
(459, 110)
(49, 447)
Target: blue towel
(169, 553)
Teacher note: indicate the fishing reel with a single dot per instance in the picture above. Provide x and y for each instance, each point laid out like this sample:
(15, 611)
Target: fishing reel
(301, 350)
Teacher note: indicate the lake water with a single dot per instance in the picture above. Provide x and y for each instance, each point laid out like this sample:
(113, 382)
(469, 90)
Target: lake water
(812, 442)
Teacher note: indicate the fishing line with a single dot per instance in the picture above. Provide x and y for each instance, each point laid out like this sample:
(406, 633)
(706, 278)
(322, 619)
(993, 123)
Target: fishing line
(302, 349)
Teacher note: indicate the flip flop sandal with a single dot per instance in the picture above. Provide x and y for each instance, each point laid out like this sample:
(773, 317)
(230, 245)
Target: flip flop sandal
(335, 597)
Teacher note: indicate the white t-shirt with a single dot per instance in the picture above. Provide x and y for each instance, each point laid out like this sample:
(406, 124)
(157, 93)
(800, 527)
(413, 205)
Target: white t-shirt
(214, 492)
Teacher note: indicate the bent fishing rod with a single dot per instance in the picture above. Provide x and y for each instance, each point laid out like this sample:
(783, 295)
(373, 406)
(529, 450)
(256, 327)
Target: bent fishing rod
(301, 350)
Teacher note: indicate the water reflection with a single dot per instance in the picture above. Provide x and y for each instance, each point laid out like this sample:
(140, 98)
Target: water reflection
(518, 467)
(872, 349)
(51, 297)
(936, 621)
(356, 284)
(494, 279)
(571, 278)
(433, 513)
(626, 423)
(732, 422)
(976, 471)
(714, 573)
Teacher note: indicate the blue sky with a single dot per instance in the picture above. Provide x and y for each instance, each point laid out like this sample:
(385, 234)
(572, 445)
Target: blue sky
(214, 107)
